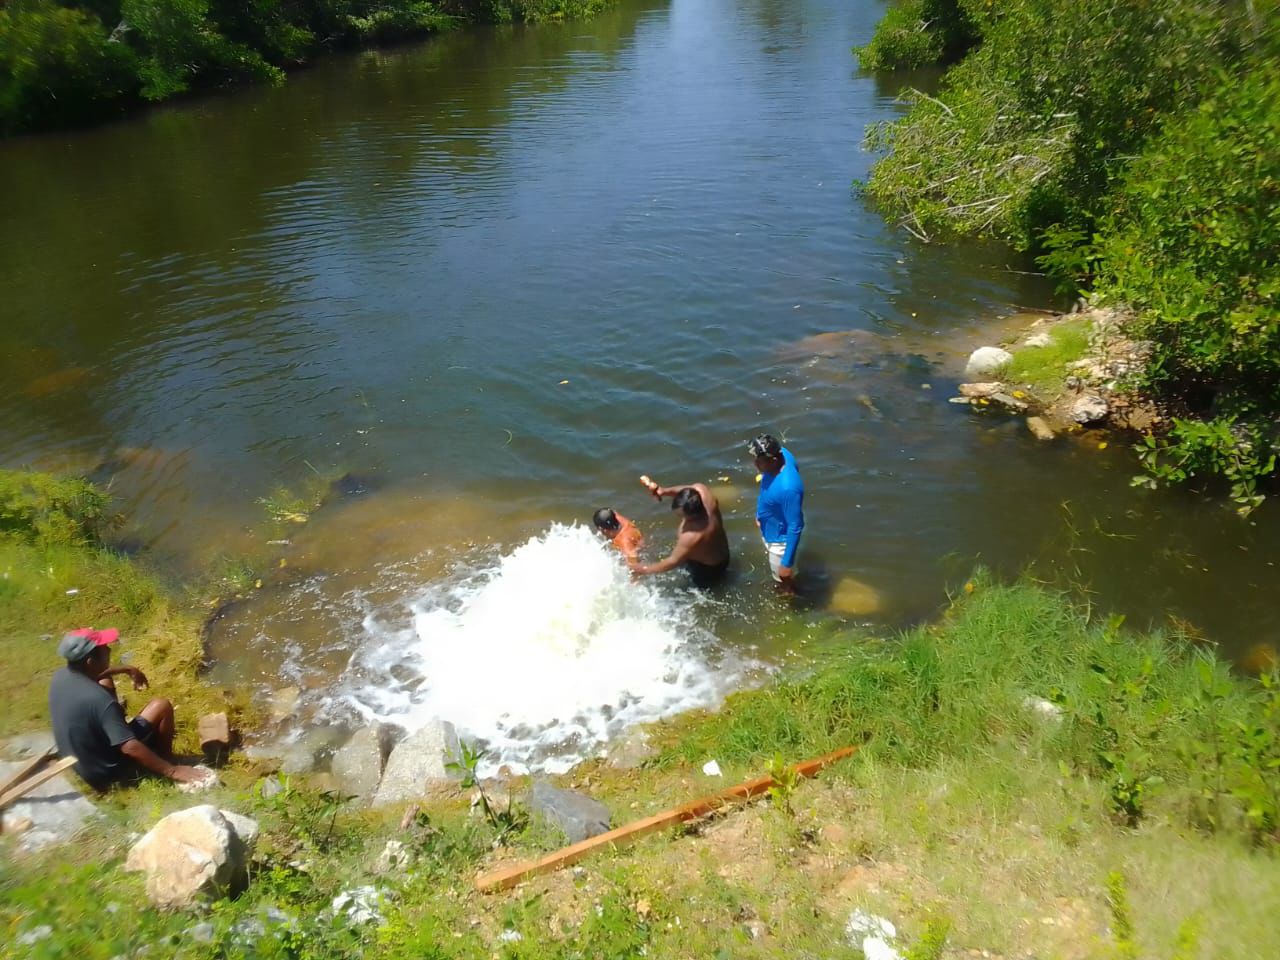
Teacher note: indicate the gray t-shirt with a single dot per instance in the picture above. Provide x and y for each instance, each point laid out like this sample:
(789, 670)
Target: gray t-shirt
(88, 724)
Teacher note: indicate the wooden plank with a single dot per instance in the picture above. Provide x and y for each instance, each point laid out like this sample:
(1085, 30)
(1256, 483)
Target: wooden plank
(24, 771)
(510, 876)
(27, 786)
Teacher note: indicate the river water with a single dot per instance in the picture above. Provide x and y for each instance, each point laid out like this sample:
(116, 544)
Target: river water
(496, 276)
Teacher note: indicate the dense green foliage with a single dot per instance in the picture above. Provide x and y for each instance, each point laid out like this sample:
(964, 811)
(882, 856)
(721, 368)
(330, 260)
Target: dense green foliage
(64, 63)
(1136, 147)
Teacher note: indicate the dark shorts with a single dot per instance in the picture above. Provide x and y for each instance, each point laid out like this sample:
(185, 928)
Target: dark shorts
(705, 574)
(142, 729)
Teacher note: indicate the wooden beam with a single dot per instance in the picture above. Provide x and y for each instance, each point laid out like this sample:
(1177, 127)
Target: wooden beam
(27, 786)
(510, 876)
(24, 771)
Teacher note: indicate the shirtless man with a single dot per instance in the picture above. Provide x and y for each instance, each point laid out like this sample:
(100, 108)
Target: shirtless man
(701, 544)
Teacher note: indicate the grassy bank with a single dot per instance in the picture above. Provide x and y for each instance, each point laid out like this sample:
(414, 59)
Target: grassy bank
(66, 63)
(57, 574)
(1135, 148)
(1137, 819)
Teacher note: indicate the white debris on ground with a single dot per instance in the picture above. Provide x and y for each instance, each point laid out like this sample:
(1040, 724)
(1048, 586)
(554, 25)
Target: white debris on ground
(873, 935)
(711, 769)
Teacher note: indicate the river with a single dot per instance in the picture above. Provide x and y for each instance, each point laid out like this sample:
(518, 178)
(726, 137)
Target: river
(496, 276)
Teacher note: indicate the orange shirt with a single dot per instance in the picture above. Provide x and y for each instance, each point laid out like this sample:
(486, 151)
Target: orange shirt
(628, 538)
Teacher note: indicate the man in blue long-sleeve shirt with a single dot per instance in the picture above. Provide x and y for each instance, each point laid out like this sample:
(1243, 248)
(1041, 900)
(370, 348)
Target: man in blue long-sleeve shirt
(779, 506)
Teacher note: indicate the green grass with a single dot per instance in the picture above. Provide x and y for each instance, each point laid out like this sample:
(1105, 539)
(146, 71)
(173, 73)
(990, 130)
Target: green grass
(56, 575)
(1041, 370)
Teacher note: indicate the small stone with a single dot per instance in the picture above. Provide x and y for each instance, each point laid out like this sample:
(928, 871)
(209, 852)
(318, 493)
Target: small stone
(394, 858)
(1040, 428)
(1089, 408)
(1009, 403)
(980, 389)
(35, 935)
(201, 932)
(1037, 340)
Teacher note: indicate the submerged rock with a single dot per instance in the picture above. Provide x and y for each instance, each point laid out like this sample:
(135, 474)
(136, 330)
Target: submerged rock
(578, 816)
(1040, 428)
(855, 598)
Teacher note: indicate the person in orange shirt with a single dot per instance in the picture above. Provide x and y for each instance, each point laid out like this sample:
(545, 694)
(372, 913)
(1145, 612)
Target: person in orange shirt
(620, 531)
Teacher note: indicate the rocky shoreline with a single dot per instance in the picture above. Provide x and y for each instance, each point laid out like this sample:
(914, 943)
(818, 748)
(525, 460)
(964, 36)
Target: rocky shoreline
(1082, 391)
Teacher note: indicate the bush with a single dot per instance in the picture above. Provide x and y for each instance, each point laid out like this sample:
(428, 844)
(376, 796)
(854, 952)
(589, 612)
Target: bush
(178, 45)
(58, 66)
(915, 33)
(40, 508)
(1027, 131)
(1194, 245)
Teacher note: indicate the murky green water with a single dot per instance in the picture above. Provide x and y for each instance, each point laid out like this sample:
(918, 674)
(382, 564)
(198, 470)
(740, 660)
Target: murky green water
(503, 273)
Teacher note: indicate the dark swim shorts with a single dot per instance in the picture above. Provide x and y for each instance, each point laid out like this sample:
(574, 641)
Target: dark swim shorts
(704, 574)
(142, 729)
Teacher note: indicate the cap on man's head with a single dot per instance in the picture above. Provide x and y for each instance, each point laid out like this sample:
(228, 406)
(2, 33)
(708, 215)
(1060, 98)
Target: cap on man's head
(78, 644)
(764, 446)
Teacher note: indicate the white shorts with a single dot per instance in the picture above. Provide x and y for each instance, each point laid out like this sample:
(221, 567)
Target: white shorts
(776, 552)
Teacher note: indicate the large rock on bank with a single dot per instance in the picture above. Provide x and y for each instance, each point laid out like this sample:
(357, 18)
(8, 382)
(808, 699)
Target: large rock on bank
(198, 852)
(357, 765)
(417, 762)
(578, 816)
(986, 361)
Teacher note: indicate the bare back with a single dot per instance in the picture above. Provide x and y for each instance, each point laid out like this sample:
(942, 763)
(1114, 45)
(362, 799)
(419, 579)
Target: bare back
(703, 538)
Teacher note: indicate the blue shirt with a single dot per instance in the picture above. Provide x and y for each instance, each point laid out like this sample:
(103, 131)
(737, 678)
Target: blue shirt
(780, 507)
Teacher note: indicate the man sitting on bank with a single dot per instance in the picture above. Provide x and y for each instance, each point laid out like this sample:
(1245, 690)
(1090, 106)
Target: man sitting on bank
(89, 723)
(701, 544)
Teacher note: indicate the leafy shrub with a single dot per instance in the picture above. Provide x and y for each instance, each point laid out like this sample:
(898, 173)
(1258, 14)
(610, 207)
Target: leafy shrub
(58, 66)
(40, 508)
(1027, 130)
(1194, 245)
(914, 33)
(1204, 449)
(179, 44)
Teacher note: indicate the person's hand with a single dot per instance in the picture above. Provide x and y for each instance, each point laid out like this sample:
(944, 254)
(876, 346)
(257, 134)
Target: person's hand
(650, 485)
(787, 579)
(184, 774)
(138, 678)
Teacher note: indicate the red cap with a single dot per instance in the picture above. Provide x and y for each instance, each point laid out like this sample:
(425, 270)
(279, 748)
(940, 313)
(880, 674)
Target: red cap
(100, 638)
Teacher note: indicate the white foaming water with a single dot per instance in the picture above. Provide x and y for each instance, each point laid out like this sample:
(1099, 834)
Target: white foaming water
(543, 656)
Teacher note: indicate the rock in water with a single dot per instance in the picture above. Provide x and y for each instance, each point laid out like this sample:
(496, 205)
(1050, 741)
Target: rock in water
(1040, 428)
(980, 390)
(417, 761)
(200, 851)
(358, 763)
(1089, 408)
(855, 598)
(985, 361)
(578, 816)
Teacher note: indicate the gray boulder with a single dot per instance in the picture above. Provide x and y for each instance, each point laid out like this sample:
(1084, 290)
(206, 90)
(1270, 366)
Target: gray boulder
(578, 816)
(357, 764)
(198, 852)
(416, 762)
